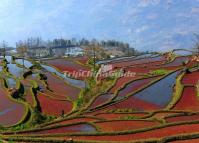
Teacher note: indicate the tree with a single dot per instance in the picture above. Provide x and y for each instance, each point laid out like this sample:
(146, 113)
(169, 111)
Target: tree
(74, 41)
(96, 52)
(22, 50)
(94, 48)
(196, 47)
(4, 45)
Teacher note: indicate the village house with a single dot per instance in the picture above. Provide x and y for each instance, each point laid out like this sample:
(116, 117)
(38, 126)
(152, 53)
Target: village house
(56, 51)
(66, 51)
(74, 51)
(39, 52)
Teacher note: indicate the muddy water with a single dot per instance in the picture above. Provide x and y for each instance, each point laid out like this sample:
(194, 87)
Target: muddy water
(26, 63)
(177, 62)
(74, 82)
(18, 72)
(11, 82)
(15, 70)
(133, 86)
(124, 59)
(159, 93)
(182, 52)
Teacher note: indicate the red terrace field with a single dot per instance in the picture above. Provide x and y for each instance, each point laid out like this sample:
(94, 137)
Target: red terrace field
(138, 70)
(10, 112)
(187, 141)
(111, 116)
(125, 115)
(121, 82)
(101, 100)
(60, 87)
(177, 62)
(53, 95)
(67, 66)
(145, 70)
(171, 68)
(148, 65)
(133, 103)
(191, 78)
(191, 63)
(157, 133)
(110, 126)
(68, 129)
(182, 118)
(135, 85)
(137, 62)
(188, 101)
(76, 120)
(83, 60)
(130, 103)
(162, 115)
(53, 107)
(28, 95)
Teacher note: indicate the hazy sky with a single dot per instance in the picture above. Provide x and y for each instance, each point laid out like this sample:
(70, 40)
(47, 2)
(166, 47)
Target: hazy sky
(145, 24)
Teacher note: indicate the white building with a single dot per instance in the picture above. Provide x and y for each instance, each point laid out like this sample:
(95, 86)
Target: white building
(74, 51)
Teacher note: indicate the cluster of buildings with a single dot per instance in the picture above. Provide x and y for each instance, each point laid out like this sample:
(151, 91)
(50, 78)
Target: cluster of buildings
(57, 51)
(43, 52)
(38, 48)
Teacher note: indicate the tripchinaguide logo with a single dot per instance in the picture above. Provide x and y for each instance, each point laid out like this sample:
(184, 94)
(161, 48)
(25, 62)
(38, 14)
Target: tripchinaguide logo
(107, 70)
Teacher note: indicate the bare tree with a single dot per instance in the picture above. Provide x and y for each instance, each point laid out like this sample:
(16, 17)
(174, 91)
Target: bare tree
(4, 45)
(22, 50)
(95, 51)
(196, 47)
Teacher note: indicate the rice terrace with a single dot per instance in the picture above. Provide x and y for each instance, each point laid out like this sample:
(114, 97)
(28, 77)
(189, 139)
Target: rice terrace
(123, 84)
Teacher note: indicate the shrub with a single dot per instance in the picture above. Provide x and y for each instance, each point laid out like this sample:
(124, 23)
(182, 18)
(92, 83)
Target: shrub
(42, 76)
(5, 83)
(14, 93)
(27, 73)
(37, 117)
(36, 65)
(184, 63)
(5, 60)
(129, 117)
(20, 87)
(159, 72)
(187, 71)
(197, 88)
(178, 90)
(78, 103)
(13, 58)
(35, 85)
